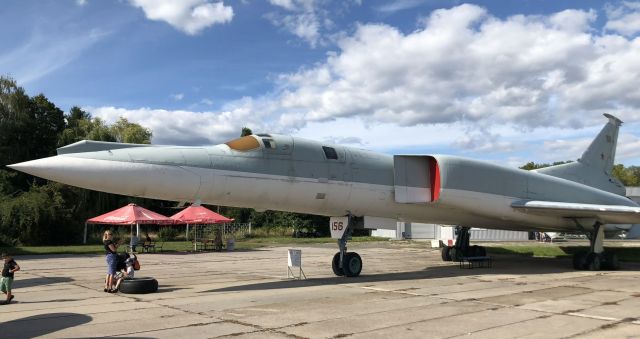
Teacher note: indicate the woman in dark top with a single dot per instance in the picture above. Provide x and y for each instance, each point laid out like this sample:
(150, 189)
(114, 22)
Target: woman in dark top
(110, 249)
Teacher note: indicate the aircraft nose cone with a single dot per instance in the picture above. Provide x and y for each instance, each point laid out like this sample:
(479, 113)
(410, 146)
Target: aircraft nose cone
(37, 167)
(120, 177)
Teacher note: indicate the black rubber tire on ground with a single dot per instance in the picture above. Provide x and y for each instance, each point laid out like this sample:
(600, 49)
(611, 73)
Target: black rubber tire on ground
(610, 261)
(594, 262)
(335, 265)
(352, 265)
(579, 260)
(446, 253)
(454, 253)
(139, 286)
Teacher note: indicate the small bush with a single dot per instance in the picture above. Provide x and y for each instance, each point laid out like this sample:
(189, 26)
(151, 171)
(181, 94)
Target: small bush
(167, 233)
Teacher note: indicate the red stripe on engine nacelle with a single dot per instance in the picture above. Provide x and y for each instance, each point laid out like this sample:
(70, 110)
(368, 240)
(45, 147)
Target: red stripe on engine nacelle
(434, 178)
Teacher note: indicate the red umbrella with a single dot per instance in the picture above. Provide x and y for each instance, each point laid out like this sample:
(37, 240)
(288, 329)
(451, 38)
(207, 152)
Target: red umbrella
(199, 215)
(130, 215)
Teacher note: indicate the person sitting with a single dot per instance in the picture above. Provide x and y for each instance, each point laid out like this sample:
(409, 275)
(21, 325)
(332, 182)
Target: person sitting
(127, 273)
(148, 244)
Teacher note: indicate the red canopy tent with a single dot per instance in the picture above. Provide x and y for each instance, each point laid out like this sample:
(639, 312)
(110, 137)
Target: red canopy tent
(131, 214)
(198, 215)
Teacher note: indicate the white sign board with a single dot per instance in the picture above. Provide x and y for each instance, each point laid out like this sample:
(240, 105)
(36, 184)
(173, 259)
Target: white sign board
(338, 225)
(295, 258)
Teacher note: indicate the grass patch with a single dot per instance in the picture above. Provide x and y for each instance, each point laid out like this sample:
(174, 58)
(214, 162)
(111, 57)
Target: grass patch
(177, 246)
(629, 254)
(529, 250)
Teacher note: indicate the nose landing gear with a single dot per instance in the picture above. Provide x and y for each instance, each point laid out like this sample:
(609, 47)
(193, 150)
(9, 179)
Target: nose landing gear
(344, 263)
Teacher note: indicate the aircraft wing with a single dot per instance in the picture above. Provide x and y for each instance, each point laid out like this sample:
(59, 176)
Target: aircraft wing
(606, 214)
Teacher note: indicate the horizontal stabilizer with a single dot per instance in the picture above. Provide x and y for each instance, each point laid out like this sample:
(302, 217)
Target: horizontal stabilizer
(606, 214)
(95, 146)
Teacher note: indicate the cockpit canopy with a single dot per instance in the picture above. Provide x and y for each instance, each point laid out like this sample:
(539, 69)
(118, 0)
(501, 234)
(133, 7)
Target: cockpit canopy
(279, 143)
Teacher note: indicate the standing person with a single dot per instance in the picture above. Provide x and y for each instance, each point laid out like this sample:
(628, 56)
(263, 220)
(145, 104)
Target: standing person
(110, 249)
(133, 243)
(10, 267)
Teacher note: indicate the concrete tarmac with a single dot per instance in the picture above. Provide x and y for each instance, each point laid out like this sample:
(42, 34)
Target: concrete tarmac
(405, 291)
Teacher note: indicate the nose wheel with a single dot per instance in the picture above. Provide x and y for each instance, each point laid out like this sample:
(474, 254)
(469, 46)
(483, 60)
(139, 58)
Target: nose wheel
(348, 264)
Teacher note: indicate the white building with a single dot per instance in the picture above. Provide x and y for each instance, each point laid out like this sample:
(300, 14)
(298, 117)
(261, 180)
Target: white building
(409, 230)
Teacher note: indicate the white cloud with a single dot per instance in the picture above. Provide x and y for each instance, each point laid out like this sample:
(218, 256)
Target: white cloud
(186, 127)
(306, 19)
(399, 5)
(464, 82)
(189, 16)
(81, 2)
(177, 96)
(42, 53)
(466, 65)
(624, 19)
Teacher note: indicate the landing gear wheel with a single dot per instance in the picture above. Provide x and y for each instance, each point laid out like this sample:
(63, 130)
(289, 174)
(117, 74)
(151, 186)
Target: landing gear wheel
(352, 264)
(455, 254)
(139, 286)
(446, 253)
(594, 261)
(579, 260)
(610, 261)
(335, 265)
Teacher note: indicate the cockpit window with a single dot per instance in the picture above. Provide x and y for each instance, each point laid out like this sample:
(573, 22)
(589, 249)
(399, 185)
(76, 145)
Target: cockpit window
(330, 152)
(269, 143)
(244, 144)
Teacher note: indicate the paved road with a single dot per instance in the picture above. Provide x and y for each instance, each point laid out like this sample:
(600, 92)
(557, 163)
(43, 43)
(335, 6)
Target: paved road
(404, 291)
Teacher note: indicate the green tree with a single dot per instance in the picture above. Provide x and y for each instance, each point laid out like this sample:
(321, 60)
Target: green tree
(532, 165)
(246, 131)
(628, 176)
(125, 131)
(29, 129)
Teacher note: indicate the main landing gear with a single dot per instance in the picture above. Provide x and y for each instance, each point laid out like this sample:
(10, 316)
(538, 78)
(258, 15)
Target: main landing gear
(596, 258)
(461, 248)
(344, 263)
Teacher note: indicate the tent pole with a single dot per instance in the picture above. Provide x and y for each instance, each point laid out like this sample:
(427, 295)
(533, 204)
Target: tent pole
(138, 230)
(186, 235)
(85, 234)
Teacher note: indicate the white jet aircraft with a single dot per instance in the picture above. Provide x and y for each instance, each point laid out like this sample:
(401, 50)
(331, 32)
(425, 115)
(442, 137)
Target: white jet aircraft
(359, 188)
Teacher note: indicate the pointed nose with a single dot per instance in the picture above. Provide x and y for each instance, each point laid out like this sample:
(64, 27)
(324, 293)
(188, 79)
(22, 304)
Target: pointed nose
(120, 177)
(41, 167)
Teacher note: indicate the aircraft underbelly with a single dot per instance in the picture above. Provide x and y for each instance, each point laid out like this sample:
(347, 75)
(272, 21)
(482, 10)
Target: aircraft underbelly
(324, 197)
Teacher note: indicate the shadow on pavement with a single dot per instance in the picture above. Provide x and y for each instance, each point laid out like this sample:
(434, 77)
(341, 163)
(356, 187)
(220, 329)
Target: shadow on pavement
(42, 281)
(43, 324)
(502, 264)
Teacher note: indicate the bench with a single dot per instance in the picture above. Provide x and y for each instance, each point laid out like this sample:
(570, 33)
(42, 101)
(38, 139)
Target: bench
(147, 246)
(471, 262)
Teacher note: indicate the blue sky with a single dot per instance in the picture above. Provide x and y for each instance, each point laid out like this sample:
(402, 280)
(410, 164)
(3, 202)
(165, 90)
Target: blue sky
(509, 81)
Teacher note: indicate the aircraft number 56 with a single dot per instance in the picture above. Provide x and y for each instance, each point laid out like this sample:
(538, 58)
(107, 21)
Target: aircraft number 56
(337, 226)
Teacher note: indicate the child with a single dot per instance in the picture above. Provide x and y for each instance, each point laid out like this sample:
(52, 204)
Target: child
(10, 267)
(128, 274)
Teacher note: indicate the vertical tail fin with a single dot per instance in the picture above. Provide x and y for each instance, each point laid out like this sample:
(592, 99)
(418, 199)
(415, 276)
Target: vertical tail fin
(596, 163)
(602, 151)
